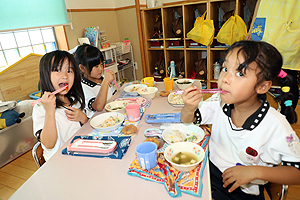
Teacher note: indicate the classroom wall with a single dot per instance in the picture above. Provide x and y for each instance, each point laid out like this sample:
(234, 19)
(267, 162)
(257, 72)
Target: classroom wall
(116, 17)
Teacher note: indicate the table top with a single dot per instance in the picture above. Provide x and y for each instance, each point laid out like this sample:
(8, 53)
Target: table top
(76, 177)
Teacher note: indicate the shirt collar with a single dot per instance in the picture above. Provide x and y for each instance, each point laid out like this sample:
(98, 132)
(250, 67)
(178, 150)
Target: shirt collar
(88, 82)
(254, 120)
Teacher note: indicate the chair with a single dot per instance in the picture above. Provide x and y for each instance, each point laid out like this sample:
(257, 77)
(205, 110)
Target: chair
(276, 191)
(271, 98)
(37, 153)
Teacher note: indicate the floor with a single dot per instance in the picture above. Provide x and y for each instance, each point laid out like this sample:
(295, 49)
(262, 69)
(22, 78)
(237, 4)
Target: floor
(14, 174)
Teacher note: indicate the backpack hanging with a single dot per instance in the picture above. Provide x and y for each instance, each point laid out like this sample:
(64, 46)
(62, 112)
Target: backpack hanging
(201, 69)
(177, 25)
(180, 67)
(158, 32)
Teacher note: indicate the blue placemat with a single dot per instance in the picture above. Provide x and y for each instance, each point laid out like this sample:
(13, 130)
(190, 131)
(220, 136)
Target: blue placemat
(123, 144)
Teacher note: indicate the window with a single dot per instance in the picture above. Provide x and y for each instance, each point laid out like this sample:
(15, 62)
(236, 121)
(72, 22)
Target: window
(15, 45)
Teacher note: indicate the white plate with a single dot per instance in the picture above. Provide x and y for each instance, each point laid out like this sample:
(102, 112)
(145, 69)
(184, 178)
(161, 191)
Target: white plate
(173, 99)
(116, 106)
(186, 130)
(99, 119)
(129, 89)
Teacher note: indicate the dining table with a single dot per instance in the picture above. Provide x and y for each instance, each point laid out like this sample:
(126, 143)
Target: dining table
(82, 177)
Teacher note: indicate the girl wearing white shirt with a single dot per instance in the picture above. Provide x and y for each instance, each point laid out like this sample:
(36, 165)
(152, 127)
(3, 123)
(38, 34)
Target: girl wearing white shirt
(58, 117)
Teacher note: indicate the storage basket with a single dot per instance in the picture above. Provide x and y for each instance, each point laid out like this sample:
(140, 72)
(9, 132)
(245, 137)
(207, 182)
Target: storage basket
(122, 47)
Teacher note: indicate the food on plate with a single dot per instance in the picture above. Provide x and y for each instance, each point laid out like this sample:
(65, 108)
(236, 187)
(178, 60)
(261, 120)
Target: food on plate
(184, 82)
(175, 136)
(152, 139)
(164, 93)
(129, 129)
(134, 89)
(184, 158)
(176, 99)
(110, 121)
(117, 108)
(193, 138)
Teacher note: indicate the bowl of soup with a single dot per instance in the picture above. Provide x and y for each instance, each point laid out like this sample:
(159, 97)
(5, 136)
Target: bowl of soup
(116, 106)
(184, 156)
(184, 83)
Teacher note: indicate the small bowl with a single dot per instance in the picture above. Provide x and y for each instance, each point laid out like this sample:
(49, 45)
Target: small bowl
(116, 106)
(175, 100)
(184, 83)
(189, 147)
(133, 88)
(148, 92)
(99, 119)
(188, 133)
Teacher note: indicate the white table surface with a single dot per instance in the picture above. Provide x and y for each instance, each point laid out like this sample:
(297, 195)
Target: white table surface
(75, 177)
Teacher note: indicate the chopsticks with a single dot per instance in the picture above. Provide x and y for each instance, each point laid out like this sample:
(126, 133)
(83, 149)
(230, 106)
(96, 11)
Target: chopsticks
(115, 82)
(205, 91)
(55, 92)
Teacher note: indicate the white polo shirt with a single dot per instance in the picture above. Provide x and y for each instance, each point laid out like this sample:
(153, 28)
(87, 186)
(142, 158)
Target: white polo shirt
(65, 128)
(265, 139)
(91, 90)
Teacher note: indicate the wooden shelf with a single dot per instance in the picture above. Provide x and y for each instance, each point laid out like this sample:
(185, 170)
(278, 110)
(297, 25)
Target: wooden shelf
(190, 54)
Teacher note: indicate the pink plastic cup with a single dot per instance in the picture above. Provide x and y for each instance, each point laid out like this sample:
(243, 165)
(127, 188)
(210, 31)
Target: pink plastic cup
(133, 112)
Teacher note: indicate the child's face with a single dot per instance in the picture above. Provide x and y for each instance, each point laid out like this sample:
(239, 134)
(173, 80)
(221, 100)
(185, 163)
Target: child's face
(63, 76)
(97, 71)
(239, 85)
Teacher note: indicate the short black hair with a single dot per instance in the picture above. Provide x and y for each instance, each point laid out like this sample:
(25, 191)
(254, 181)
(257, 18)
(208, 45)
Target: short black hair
(88, 56)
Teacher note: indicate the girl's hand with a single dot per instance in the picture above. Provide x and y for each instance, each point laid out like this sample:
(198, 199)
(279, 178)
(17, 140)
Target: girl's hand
(48, 101)
(74, 114)
(109, 76)
(191, 97)
(238, 175)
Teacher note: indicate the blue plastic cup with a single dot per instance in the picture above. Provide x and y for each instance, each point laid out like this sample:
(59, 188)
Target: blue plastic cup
(146, 154)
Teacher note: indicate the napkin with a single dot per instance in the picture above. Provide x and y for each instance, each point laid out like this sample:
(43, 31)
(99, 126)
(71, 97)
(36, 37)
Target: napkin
(175, 181)
(123, 144)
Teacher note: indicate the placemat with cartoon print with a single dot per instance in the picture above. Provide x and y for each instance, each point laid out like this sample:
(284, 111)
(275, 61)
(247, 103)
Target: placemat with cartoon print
(175, 181)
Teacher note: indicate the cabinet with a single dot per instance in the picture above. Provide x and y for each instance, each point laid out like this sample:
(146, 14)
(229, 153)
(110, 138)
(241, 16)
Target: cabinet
(165, 47)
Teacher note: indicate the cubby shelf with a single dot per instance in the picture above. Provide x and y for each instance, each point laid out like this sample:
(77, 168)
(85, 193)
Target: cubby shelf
(213, 53)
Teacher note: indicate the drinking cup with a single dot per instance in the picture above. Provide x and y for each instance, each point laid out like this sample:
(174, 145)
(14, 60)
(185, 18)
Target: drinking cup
(168, 83)
(146, 154)
(133, 112)
(149, 81)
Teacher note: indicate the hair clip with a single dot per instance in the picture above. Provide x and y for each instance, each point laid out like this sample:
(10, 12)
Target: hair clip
(285, 89)
(288, 103)
(282, 74)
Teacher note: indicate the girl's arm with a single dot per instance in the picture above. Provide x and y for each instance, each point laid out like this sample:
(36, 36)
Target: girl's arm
(75, 114)
(100, 100)
(191, 98)
(240, 175)
(49, 132)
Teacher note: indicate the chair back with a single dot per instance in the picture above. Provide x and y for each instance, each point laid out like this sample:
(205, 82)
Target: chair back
(37, 153)
(271, 98)
(276, 191)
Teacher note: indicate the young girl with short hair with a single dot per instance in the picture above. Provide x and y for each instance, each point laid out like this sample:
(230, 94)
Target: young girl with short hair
(58, 117)
(97, 89)
(248, 137)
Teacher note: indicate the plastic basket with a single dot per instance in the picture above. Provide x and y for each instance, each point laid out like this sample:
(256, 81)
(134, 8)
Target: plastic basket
(122, 47)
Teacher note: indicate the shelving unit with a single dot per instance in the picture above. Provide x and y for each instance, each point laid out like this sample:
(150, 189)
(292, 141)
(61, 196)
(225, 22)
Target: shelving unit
(122, 57)
(191, 54)
(111, 56)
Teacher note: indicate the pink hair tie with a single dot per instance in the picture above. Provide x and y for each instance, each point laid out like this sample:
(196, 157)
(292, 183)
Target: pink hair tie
(282, 74)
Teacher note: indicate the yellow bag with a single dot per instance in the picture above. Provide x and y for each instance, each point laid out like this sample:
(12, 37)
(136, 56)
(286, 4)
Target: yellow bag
(278, 23)
(233, 30)
(203, 31)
